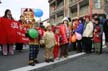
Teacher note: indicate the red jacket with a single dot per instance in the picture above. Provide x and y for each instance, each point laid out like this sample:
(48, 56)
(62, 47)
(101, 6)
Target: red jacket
(64, 39)
(2, 32)
(96, 35)
(8, 31)
(57, 39)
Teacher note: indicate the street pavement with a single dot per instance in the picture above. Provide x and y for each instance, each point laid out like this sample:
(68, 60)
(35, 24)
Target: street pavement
(19, 59)
(88, 62)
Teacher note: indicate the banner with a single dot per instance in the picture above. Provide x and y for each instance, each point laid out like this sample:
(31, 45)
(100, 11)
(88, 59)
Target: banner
(11, 32)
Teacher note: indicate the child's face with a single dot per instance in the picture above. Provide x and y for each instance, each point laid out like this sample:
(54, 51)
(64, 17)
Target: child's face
(96, 22)
(33, 22)
(49, 28)
(87, 20)
(65, 22)
(57, 31)
(9, 13)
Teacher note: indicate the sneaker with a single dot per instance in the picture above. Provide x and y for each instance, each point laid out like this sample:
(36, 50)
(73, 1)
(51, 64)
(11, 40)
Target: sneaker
(31, 63)
(36, 61)
(4, 54)
(62, 57)
(11, 53)
(56, 59)
(51, 60)
(47, 60)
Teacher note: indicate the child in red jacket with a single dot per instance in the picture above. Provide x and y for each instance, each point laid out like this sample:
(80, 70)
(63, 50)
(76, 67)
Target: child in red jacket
(97, 37)
(56, 48)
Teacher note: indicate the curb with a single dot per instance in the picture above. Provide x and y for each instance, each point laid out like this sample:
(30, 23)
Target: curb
(49, 66)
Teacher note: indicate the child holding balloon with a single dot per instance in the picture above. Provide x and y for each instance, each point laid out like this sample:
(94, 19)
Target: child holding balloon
(33, 45)
(78, 33)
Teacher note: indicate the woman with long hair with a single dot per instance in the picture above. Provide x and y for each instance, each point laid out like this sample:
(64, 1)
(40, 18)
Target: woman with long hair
(8, 47)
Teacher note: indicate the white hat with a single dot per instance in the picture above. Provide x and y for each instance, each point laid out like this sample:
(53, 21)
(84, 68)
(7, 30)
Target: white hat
(46, 25)
(65, 18)
(76, 18)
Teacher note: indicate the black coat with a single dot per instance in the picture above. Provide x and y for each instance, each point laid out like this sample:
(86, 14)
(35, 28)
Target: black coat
(105, 29)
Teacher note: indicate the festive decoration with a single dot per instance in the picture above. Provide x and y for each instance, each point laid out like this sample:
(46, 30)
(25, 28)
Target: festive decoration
(28, 15)
(73, 38)
(78, 36)
(38, 12)
(33, 33)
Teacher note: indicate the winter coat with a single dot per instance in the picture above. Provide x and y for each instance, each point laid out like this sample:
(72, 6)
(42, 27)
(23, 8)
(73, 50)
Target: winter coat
(49, 39)
(88, 31)
(57, 39)
(63, 34)
(80, 28)
(105, 29)
(97, 34)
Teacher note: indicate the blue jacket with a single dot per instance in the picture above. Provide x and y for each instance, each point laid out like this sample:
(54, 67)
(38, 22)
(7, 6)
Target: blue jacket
(80, 28)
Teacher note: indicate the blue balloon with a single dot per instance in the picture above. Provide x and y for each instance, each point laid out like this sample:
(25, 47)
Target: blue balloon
(38, 12)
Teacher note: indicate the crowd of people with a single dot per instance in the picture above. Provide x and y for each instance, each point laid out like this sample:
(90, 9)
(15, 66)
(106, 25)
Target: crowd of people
(80, 34)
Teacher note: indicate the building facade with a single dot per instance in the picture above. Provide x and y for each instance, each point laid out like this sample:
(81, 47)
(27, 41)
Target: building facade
(75, 8)
(56, 10)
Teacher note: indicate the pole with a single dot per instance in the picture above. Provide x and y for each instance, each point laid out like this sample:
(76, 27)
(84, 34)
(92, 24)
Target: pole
(65, 12)
(91, 8)
(78, 10)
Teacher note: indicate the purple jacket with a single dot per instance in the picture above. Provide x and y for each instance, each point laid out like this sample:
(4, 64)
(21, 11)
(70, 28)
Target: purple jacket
(80, 28)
